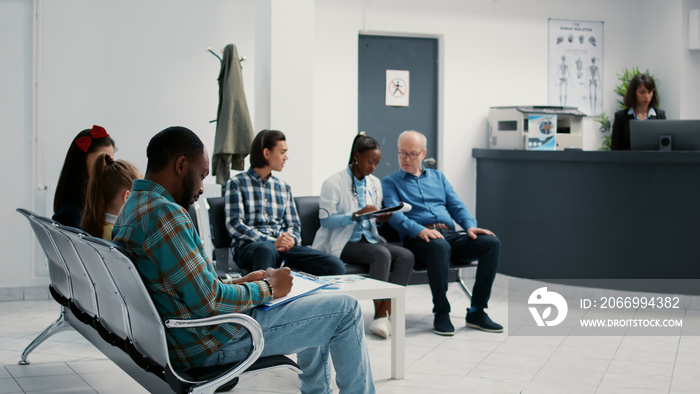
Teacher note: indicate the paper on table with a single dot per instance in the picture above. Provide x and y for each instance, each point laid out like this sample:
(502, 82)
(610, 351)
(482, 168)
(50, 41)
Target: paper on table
(302, 284)
(401, 207)
(338, 281)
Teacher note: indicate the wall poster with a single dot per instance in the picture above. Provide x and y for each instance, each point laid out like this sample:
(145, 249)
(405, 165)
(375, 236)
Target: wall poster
(397, 88)
(576, 65)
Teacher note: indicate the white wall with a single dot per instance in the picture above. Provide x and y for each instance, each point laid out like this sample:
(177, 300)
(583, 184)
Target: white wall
(291, 79)
(15, 150)
(136, 67)
(690, 69)
(133, 67)
(495, 54)
(662, 50)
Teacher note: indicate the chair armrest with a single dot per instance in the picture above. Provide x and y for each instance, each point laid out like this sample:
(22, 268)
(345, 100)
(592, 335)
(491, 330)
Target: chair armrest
(247, 322)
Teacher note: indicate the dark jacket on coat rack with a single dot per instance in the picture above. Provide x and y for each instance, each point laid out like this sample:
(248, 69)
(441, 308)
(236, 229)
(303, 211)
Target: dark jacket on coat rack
(234, 130)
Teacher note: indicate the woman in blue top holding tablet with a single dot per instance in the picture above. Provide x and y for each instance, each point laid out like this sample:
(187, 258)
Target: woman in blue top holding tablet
(351, 192)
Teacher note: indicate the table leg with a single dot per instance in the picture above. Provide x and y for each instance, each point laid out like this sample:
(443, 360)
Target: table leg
(398, 335)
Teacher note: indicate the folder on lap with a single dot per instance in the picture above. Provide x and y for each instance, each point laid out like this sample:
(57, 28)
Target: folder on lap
(302, 284)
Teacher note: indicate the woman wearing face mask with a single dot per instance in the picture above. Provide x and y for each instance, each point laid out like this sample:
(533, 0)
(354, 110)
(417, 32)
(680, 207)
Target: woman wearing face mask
(641, 102)
(345, 195)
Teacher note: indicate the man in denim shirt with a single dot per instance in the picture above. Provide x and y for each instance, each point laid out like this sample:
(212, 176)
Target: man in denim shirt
(428, 230)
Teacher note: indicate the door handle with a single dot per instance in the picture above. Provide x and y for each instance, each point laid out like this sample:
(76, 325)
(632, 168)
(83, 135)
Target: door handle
(430, 161)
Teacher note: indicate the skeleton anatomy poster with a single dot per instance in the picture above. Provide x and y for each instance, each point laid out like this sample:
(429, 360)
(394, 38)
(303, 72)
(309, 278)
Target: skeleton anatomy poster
(576, 65)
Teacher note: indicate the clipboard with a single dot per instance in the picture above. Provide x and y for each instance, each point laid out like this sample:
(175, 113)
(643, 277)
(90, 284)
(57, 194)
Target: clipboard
(303, 284)
(401, 207)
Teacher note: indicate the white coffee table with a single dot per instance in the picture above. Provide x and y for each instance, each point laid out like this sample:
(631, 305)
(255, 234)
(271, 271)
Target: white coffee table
(367, 288)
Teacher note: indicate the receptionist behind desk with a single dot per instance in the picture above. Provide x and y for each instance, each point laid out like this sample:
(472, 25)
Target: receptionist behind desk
(641, 102)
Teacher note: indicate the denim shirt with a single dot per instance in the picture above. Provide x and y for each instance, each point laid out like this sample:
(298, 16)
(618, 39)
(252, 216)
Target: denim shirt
(433, 200)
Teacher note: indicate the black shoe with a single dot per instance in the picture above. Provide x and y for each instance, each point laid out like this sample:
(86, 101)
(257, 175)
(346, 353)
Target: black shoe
(481, 321)
(442, 324)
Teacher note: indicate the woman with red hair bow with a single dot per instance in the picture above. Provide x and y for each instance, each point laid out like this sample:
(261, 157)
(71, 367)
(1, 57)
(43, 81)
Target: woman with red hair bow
(69, 201)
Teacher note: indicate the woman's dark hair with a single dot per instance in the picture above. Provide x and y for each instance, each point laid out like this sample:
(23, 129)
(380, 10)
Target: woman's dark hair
(361, 143)
(171, 143)
(109, 179)
(265, 139)
(72, 183)
(630, 99)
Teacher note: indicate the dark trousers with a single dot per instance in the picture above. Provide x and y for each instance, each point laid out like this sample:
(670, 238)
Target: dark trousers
(460, 248)
(387, 262)
(263, 254)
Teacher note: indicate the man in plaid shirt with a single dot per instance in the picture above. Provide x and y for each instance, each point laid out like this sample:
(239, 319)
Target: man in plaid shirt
(262, 218)
(157, 233)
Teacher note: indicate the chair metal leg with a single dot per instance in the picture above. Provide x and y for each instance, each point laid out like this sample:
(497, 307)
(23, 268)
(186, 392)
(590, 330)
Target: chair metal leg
(463, 285)
(59, 325)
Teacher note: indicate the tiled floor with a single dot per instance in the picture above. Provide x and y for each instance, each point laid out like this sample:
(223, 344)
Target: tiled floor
(471, 361)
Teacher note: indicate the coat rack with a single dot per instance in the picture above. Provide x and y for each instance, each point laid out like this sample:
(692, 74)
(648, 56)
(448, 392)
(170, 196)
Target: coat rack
(241, 60)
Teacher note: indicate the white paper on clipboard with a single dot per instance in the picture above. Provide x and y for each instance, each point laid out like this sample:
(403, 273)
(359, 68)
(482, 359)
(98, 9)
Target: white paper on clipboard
(302, 285)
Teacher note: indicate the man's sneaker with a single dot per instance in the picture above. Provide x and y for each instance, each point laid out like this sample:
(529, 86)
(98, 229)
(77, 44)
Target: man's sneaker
(381, 327)
(481, 321)
(442, 324)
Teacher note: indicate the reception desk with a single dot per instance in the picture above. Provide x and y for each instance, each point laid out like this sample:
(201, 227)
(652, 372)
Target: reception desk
(593, 214)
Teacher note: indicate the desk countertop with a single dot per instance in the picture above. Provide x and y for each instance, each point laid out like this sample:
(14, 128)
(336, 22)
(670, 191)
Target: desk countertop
(590, 156)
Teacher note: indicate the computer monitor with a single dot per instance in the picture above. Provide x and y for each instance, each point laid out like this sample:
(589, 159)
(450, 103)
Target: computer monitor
(665, 135)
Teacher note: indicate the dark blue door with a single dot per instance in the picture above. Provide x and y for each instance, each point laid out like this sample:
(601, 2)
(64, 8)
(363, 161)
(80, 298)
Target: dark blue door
(419, 56)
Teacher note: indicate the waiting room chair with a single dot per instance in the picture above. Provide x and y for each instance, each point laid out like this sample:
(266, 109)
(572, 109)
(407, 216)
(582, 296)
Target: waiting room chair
(83, 302)
(148, 333)
(307, 207)
(60, 283)
(420, 273)
(112, 321)
(220, 238)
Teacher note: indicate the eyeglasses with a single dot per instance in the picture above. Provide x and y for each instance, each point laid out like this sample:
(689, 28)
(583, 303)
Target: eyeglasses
(412, 155)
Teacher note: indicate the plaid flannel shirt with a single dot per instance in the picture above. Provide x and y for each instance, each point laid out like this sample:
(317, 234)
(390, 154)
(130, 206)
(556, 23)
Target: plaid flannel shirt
(159, 237)
(258, 210)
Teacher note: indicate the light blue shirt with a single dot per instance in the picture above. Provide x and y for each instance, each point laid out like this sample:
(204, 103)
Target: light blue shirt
(362, 227)
(433, 200)
(651, 113)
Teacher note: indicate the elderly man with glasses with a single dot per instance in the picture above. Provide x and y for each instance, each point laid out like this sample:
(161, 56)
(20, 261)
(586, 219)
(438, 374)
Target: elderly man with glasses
(428, 230)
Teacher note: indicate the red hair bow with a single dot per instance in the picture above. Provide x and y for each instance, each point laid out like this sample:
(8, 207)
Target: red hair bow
(85, 141)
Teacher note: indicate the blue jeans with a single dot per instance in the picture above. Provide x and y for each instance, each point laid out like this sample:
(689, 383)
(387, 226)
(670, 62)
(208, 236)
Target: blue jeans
(263, 254)
(314, 327)
(437, 254)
